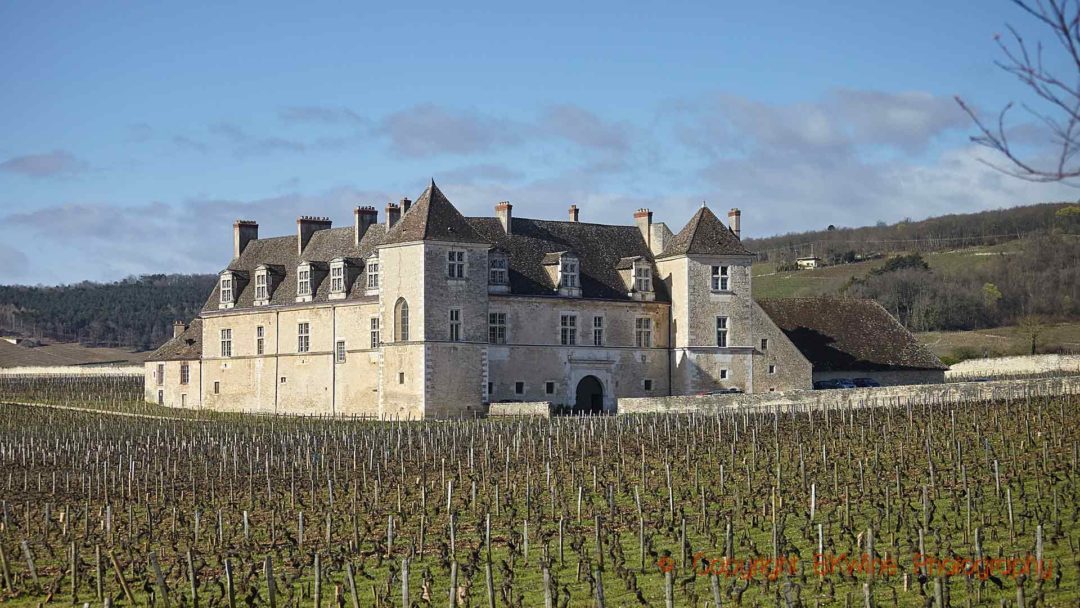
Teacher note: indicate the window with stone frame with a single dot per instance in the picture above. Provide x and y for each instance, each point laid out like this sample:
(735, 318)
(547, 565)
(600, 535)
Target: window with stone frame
(721, 278)
(498, 269)
(455, 325)
(642, 277)
(598, 331)
(227, 289)
(497, 328)
(374, 332)
(339, 351)
(455, 264)
(185, 373)
(262, 285)
(226, 342)
(643, 332)
(303, 281)
(303, 337)
(260, 340)
(568, 272)
(722, 332)
(337, 277)
(568, 329)
(373, 274)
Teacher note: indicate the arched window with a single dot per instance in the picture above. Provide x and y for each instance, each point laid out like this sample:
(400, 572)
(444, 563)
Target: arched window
(401, 321)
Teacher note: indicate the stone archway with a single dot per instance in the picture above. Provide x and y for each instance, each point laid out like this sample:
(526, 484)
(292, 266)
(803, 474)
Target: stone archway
(590, 396)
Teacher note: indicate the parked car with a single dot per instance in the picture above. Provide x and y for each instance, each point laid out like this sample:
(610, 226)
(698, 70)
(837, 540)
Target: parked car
(845, 383)
(866, 382)
(821, 385)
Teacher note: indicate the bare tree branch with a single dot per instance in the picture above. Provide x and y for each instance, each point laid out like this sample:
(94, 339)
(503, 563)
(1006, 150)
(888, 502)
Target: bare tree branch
(1061, 93)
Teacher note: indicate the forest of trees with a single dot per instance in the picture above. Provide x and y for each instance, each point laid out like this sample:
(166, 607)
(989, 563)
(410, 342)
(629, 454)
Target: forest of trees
(137, 312)
(933, 234)
(1041, 281)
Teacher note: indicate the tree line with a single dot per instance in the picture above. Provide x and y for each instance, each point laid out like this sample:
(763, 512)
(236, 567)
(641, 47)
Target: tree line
(136, 312)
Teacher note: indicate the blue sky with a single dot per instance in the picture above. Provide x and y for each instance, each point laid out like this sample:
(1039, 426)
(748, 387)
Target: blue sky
(133, 134)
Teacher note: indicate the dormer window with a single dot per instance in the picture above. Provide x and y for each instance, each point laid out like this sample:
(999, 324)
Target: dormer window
(569, 276)
(373, 274)
(642, 277)
(498, 272)
(227, 290)
(262, 290)
(338, 276)
(303, 283)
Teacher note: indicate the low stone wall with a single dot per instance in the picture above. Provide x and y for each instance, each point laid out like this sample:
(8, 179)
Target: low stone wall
(529, 408)
(75, 370)
(997, 367)
(953, 392)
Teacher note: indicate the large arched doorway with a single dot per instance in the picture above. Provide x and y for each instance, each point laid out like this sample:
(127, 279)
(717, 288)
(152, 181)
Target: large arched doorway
(590, 396)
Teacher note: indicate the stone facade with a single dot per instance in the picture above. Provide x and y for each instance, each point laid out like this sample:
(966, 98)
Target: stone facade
(435, 315)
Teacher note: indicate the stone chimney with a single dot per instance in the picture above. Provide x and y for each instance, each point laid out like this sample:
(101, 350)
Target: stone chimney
(306, 226)
(243, 232)
(393, 214)
(364, 218)
(178, 327)
(574, 213)
(504, 211)
(734, 218)
(405, 204)
(643, 219)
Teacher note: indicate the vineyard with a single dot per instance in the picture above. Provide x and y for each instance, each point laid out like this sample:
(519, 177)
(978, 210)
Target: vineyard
(608, 511)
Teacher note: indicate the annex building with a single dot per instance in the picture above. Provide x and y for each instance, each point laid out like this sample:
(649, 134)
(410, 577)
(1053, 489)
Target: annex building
(428, 313)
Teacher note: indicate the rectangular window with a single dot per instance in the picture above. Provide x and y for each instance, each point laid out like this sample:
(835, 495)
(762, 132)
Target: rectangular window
(374, 332)
(720, 278)
(772, 369)
(373, 275)
(519, 388)
(764, 344)
(160, 373)
(455, 264)
(226, 290)
(337, 279)
(303, 282)
(217, 388)
(569, 273)
(161, 397)
(185, 373)
(549, 388)
(339, 351)
(226, 343)
(647, 384)
(721, 332)
(598, 331)
(261, 291)
(643, 278)
(497, 328)
(491, 388)
(260, 340)
(455, 325)
(401, 378)
(568, 330)
(723, 374)
(303, 337)
(497, 274)
(183, 399)
(643, 331)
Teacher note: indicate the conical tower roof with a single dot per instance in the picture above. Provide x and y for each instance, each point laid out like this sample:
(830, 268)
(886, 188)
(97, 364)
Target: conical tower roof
(704, 234)
(432, 218)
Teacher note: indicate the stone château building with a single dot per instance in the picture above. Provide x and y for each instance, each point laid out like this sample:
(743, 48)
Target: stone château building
(432, 314)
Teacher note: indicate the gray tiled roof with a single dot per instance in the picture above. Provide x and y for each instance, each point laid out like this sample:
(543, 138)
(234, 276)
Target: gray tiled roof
(599, 248)
(839, 334)
(185, 347)
(432, 218)
(280, 252)
(704, 234)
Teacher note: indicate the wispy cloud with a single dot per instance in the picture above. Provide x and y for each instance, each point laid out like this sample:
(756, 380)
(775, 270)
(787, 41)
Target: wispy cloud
(585, 128)
(58, 163)
(432, 130)
(321, 115)
(245, 144)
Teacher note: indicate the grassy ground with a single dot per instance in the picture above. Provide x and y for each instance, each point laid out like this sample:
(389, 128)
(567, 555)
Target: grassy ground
(768, 283)
(1001, 341)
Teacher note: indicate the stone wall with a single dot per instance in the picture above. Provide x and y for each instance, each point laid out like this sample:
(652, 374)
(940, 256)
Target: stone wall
(953, 392)
(531, 408)
(1014, 366)
(74, 370)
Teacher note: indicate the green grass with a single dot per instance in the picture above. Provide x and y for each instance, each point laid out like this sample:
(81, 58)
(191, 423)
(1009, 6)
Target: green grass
(1001, 341)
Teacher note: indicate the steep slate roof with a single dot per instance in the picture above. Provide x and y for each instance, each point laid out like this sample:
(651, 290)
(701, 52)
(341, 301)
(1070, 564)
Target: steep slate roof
(432, 218)
(185, 347)
(704, 234)
(325, 245)
(839, 334)
(599, 249)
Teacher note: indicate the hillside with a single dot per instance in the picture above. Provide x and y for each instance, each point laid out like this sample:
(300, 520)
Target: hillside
(136, 312)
